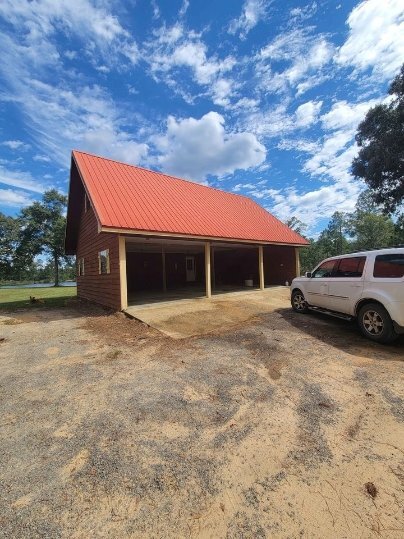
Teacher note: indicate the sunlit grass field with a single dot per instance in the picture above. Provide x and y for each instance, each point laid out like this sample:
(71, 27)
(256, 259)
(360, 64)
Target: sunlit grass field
(16, 298)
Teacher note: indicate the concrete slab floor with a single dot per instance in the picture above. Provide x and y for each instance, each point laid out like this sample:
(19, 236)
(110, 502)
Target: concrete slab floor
(198, 316)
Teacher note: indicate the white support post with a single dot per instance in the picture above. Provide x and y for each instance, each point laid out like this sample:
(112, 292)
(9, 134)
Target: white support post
(212, 267)
(122, 272)
(297, 259)
(208, 270)
(261, 266)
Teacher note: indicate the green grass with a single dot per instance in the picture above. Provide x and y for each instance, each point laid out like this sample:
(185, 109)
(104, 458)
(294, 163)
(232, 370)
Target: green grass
(16, 298)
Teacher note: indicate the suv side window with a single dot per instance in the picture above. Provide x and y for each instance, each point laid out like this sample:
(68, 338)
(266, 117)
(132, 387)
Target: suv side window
(325, 270)
(389, 266)
(350, 267)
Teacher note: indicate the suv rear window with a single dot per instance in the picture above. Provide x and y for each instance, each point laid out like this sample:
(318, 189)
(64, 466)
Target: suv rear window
(350, 267)
(389, 266)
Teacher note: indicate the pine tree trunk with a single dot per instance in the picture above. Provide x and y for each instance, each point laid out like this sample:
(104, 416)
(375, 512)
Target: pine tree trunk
(56, 262)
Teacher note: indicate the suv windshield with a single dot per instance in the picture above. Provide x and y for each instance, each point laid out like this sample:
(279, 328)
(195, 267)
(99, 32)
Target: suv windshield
(325, 269)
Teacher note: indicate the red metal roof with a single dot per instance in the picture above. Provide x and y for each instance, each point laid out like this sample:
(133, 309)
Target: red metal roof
(127, 197)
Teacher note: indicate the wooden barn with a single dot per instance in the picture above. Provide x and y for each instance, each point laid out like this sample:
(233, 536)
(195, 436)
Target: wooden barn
(141, 235)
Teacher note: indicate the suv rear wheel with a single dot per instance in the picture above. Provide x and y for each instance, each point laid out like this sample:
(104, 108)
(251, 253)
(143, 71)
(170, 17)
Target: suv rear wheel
(375, 323)
(299, 304)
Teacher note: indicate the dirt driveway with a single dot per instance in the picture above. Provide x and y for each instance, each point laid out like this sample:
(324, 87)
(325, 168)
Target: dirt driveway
(284, 426)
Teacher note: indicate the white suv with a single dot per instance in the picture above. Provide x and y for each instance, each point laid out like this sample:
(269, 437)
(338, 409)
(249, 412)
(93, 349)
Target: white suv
(368, 286)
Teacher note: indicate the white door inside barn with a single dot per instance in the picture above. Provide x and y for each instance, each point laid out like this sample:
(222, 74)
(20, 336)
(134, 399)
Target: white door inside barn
(190, 269)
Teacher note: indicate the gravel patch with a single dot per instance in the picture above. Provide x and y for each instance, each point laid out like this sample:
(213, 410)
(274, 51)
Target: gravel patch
(270, 429)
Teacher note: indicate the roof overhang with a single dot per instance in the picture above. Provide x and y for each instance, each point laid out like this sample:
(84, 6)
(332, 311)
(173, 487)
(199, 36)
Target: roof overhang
(166, 235)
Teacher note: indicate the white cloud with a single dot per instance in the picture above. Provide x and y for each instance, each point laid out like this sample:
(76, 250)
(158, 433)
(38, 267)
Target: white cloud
(261, 193)
(89, 22)
(244, 103)
(42, 158)
(306, 56)
(376, 38)
(253, 11)
(272, 122)
(243, 186)
(117, 145)
(183, 9)
(302, 13)
(307, 113)
(15, 145)
(173, 49)
(333, 158)
(222, 90)
(194, 149)
(71, 55)
(344, 115)
(15, 199)
(21, 180)
(300, 145)
(156, 9)
(320, 203)
(276, 121)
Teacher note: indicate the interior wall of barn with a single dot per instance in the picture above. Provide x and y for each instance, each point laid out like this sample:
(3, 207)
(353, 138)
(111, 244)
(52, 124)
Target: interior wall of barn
(233, 266)
(145, 270)
(280, 265)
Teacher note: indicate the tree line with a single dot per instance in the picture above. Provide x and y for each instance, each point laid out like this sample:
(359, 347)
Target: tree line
(32, 243)
(364, 229)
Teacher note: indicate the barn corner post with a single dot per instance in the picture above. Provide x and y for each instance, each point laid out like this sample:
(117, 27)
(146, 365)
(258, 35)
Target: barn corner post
(122, 272)
(208, 277)
(261, 266)
(297, 259)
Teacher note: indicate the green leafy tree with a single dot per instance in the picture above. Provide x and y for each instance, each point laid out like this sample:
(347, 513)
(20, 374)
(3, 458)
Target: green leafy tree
(380, 137)
(8, 244)
(371, 231)
(43, 229)
(368, 227)
(399, 231)
(297, 225)
(332, 240)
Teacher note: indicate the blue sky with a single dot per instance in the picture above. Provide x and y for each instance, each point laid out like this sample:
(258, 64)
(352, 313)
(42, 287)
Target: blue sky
(257, 97)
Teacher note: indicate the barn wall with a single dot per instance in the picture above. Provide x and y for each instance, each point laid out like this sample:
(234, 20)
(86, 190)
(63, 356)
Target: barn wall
(103, 289)
(279, 264)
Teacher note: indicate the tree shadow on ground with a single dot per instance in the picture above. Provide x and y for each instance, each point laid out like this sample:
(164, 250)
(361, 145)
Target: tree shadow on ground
(343, 335)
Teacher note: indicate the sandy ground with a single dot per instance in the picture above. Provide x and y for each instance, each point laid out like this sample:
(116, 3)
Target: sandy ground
(286, 426)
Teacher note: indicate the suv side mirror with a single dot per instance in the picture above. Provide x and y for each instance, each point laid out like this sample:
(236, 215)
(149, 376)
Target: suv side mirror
(308, 274)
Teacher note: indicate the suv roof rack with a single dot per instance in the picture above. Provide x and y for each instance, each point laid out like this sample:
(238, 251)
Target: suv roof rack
(399, 246)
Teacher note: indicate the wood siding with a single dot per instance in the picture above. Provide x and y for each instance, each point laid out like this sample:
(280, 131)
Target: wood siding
(279, 264)
(105, 288)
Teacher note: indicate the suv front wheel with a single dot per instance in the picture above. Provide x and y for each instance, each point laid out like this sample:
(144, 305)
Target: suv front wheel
(299, 304)
(375, 323)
